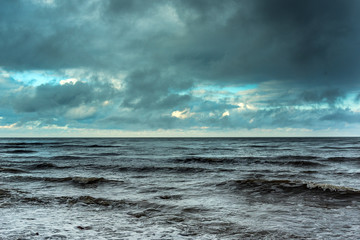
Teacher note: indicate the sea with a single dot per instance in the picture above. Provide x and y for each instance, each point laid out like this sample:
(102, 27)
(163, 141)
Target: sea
(180, 188)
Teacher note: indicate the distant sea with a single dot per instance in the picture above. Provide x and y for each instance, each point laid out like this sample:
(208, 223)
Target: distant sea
(180, 188)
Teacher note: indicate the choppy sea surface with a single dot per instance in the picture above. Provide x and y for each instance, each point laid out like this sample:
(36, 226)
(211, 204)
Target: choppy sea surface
(207, 188)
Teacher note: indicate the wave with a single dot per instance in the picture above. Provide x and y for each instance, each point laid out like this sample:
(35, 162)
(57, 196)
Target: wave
(207, 160)
(291, 160)
(84, 200)
(333, 188)
(73, 180)
(150, 169)
(169, 197)
(109, 154)
(341, 148)
(296, 160)
(343, 159)
(12, 146)
(263, 146)
(153, 169)
(143, 208)
(88, 200)
(64, 145)
(297, 163)
(85, 146)
(4, 193)
(90, 180)
(296, 157)
(68, 157)
(220, 149)
(305, 163)
(23, 144)
(11, 170)
(182, 148)
(288, 187)
(46, 165)
(310, 172)
(101, 146)
(18, 151)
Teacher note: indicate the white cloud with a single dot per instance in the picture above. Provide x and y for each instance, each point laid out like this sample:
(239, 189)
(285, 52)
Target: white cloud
(8, 126)
(182, 114)
(69, 81)
(105, 103)
(226, 113)
(245, 106)
(3, 74)
(241, 106)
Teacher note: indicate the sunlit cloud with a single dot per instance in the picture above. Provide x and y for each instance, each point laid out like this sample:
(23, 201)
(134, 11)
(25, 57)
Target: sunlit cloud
(225, 114)
(68, 81)
(182, 114)
(8, 126)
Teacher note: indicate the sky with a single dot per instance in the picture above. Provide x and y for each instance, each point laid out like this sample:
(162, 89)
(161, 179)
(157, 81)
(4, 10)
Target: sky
(179, 68)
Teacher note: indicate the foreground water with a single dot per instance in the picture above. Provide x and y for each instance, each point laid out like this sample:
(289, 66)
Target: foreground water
(237, 188)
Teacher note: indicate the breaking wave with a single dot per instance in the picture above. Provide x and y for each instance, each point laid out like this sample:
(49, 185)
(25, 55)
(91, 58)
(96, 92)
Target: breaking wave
(263, 186)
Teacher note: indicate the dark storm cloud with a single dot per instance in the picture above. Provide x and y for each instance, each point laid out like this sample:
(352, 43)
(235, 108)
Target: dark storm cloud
(126, 7)
(322, 36)
(311, 41)
(50, 97)
(151, 88)
(330, 96)
(342, 115)
(57, 99)
(307, 40)
(35, 37)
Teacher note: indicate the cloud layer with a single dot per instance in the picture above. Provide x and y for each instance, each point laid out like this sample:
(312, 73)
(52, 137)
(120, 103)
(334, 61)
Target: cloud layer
(182, 65)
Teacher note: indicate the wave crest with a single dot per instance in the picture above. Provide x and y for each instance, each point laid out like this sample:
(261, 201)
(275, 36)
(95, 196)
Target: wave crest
(332, 188)
(290, 188)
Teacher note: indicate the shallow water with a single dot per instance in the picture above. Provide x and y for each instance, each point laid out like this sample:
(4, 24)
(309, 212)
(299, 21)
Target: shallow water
(236, 188)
